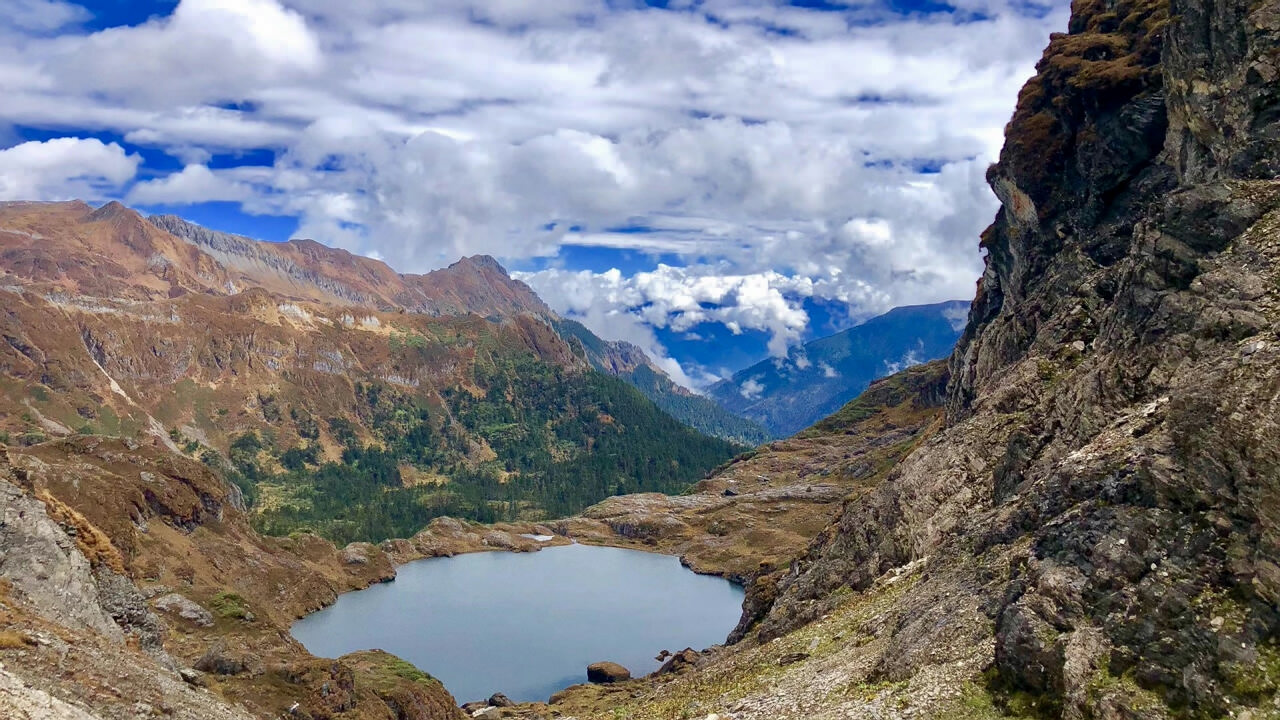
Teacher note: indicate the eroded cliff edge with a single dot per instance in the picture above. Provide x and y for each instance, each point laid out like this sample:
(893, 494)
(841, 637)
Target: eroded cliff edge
(1094, 532)
(1104, 500)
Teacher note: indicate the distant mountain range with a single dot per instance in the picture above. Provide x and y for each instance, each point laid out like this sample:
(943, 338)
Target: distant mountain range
(113, 252)
(338, 395)
(474, 284)
(627, 361)
(786, 395)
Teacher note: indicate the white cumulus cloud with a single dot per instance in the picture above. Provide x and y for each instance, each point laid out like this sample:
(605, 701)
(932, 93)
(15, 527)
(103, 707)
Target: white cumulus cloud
(775, 152)
(64, 168)
(195, 183)
(750, 389)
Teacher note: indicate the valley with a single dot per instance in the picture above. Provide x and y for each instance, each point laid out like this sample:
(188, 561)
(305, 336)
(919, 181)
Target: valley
(1073, 515)
(350, 422)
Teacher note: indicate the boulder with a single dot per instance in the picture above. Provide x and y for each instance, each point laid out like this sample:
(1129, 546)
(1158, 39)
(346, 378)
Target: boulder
(358, 553)
(793, 658)
(686, 658)
(219, 660)
(607, 672)
(185, 608)
(499, 539)
(191, 676)
(500, 700)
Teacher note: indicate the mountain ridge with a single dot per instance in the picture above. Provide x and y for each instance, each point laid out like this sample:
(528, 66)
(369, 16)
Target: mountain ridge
(114, 326)
(791, 393)
(478, 284)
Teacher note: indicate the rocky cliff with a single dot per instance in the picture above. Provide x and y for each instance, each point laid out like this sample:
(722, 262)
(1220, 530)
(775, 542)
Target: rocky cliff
(1093, 531)
(131, 586)
(1101, 511)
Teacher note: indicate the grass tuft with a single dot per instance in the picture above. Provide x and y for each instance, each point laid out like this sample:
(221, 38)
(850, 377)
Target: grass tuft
(11, 639)
(229, 605)
(92, 542)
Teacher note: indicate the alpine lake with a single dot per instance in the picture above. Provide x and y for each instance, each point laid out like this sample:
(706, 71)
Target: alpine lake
(528, 624)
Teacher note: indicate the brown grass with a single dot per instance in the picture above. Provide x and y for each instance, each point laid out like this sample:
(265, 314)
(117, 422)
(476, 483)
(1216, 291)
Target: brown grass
(10, 639)
(94, 543)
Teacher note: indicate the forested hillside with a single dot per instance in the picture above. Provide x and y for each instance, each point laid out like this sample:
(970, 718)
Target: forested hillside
(629, 362)
(356, 422)
(558, 441)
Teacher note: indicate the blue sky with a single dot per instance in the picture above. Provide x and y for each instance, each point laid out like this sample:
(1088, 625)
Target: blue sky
(714, 180)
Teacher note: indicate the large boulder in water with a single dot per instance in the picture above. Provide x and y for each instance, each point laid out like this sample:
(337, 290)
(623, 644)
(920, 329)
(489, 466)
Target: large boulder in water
(607, 672)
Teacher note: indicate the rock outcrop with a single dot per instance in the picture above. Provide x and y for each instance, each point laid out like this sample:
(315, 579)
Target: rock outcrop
(1093, 531)
(1106, 485)
(607, 672)
(42, 565)
(185, 608)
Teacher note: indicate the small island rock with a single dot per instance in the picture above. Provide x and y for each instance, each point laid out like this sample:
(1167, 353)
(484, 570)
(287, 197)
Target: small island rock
(607, 672)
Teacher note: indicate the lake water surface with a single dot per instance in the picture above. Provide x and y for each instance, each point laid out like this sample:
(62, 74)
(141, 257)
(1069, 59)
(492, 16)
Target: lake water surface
(528, 624)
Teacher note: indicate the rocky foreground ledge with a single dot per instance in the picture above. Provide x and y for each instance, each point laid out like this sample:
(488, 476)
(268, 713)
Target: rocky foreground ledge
(136, 567)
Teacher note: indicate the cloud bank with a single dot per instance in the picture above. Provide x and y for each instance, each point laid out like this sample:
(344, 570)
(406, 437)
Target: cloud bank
(765, 153)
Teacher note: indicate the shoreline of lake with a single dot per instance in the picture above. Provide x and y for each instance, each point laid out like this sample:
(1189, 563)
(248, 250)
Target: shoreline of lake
(474, 590)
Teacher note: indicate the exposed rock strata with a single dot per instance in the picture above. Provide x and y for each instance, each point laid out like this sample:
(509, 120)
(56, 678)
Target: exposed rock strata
(1107, 482)
(1094, 531)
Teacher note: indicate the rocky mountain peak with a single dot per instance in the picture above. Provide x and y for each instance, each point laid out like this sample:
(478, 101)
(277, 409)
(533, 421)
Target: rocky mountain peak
(111, 211)
(482, 263)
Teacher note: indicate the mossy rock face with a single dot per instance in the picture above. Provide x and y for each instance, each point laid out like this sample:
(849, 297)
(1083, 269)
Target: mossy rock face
(1109, 448)
(410, 692)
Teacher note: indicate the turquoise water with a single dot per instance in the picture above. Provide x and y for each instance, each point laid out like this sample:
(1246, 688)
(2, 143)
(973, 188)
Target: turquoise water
(529, 624)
